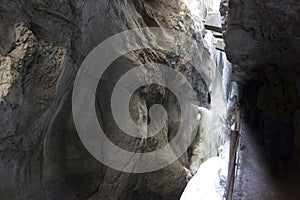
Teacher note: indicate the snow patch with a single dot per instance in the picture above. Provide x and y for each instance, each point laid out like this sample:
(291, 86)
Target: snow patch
(210, 181)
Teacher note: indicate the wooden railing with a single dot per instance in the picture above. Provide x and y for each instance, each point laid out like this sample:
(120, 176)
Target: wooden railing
(234, 144)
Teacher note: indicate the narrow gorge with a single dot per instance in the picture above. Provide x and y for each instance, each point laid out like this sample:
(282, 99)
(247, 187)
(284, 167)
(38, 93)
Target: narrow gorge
(44, 46)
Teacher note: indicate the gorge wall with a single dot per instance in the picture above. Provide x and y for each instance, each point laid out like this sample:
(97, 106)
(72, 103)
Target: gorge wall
(262, 32)
(43, 44)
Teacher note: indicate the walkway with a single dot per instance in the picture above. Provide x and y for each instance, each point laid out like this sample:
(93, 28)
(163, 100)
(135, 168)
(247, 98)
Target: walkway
(253, 180)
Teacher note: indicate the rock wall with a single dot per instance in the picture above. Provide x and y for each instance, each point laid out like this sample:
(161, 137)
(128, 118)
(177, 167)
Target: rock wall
(262, 32)
(43, 44)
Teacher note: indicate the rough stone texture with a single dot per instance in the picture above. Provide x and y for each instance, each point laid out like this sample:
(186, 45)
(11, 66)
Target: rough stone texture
(261, 32)
(42, 46)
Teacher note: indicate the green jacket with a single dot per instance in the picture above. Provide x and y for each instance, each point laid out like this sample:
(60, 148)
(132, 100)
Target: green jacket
(278, 101)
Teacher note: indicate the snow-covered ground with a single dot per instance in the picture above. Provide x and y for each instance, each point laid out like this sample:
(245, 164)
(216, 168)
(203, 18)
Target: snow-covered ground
(210, 181)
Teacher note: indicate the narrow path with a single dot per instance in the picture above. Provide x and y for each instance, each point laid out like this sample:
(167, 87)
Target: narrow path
(253, 179)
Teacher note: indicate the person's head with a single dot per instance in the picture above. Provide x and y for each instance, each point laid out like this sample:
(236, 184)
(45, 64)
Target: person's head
(271, 72)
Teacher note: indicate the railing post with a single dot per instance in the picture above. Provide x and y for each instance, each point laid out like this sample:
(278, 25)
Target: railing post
(234, 142)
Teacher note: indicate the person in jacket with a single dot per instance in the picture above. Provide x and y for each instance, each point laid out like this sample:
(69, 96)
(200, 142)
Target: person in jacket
(279, 100)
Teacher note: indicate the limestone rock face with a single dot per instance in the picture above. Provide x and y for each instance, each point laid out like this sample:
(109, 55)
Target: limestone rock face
(43, 44)
(262, 32)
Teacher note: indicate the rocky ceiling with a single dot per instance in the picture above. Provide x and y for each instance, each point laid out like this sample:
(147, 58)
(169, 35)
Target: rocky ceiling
(258, 32)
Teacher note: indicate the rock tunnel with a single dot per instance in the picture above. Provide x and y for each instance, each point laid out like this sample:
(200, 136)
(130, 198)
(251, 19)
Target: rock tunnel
(266, 34)
(138, 99)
